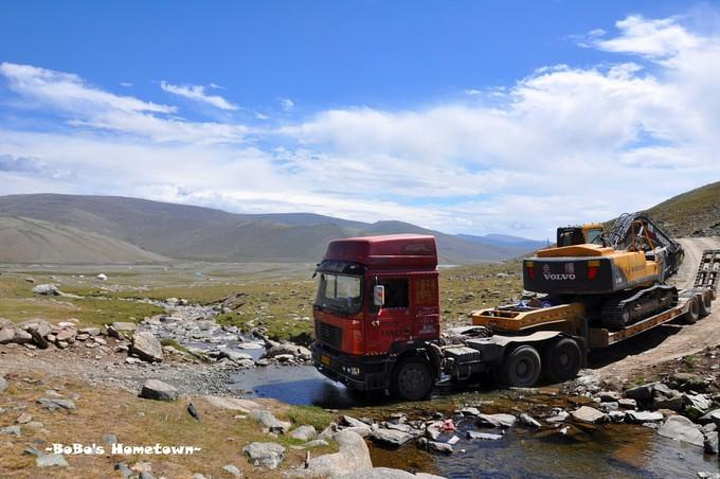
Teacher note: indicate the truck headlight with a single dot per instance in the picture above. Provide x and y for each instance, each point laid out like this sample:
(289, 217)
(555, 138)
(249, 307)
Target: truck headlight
(352, 370)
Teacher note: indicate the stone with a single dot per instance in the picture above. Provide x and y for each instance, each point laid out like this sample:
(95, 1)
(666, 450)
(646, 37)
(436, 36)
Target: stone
(609, 396)
(617, 416)
(110, 439)
(39, 329)
(11, 430)
(24, 418)
(641, 393)
(146, 475)
(54, 404)
(303, 433)
(273, 424)
(121, 329)
(123, 469)
(317, 443)
(3, 383)
(712, 416)
(391, 437)
(386, 473)
(711, 442)
(7, 335)
(232, 470)
(589, 415)
(46, 290)
(158, 390)
(640, 417)
(91, 331)
(232, 404)
(696, 405)
(235, 356)
(102, 277)
(682, 429)
(483, 436)
(627, 403)
(497, 420)
(363, 430)
(441, 447)
(267, 454)
(687, 382)
(22, 337)
(351, 421)
(559, 417)
(529, 421)
(353, 455)
(470, 411)
(147, 347)
(51, 460)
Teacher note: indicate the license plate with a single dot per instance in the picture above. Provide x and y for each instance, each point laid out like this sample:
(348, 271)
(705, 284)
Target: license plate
(325, 360)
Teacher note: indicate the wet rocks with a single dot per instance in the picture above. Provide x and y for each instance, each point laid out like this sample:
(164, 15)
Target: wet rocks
(641, 417)
(269, 421)
(496, 420)
(147, 347)
(158, 390)
(712, 416)
(391, 437)
(483, 436)
(529, 421)
(589, 415)
(267, 454)
(711, 442)
(682, 429)
(435, 446)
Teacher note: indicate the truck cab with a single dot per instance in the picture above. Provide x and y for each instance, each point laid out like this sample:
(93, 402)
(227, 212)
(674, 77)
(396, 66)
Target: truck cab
(376, 311)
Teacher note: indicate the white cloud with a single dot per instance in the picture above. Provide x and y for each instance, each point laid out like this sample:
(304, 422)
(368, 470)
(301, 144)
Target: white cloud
(287, 104)
(566, 144)
(197, 93)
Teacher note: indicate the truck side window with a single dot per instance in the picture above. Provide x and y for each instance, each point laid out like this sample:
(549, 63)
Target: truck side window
(396, 293)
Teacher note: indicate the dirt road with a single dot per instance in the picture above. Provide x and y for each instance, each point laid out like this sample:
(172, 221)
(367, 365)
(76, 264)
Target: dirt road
(639, 355)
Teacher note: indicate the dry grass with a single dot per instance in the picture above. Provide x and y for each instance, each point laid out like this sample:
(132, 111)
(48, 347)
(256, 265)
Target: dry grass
(135, 421)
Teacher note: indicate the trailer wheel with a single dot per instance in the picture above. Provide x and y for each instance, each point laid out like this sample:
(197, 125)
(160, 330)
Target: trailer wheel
(522, 367)
(705, 303)
(562, 359)
(693, 312)
(412, 379)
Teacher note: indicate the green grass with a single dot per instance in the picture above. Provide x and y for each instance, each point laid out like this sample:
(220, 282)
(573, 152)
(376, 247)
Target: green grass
(310, 415)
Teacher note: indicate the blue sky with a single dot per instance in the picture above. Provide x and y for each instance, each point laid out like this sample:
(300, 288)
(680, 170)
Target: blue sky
(472, 117)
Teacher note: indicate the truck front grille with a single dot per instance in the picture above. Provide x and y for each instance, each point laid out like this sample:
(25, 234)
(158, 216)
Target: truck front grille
(328, 334)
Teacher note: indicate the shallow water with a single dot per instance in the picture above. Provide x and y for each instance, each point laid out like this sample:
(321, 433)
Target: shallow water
(616, 450)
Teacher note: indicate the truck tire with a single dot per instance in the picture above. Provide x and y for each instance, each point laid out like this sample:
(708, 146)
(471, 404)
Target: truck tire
(705, 303)
(693, 312)
(412, 379)
(562, 359)
(522, 367)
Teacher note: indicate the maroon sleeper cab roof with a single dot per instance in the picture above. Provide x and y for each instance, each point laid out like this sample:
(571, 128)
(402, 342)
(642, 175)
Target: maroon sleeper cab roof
(389, 251)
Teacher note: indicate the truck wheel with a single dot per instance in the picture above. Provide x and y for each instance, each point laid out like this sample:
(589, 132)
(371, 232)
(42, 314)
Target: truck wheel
(522, 367)
(412, 379)
(693, 312)
(562, 359)
(705, 304)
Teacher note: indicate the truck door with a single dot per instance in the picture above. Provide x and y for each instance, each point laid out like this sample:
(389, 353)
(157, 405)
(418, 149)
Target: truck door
(393, 321)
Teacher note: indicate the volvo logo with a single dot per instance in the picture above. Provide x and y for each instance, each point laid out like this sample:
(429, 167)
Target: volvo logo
(569, 273)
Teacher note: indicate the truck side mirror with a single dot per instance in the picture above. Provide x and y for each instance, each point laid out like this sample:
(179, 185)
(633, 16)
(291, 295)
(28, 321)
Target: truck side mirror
(379, 295)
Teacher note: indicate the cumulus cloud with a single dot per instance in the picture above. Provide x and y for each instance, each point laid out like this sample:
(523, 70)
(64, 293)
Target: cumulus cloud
(287, 104)
(565, 144)
(197, 93)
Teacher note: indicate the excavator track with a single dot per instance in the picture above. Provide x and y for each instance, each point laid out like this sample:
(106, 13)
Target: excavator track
(619, 313)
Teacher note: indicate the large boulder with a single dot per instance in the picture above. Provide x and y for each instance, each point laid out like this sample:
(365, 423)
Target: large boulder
(7, 331)
(46, 290)
(391, 437)
(353, 455)
(233, 404)
(682, 429)
(268, 454)
(38, 329)
(303, 433)
(158, 390)
(147, 347)
(121, 329)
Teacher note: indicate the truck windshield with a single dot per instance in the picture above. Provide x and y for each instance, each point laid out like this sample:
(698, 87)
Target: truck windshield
(339, 292)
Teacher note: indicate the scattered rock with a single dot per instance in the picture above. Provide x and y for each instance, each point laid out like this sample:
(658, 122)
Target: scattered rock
(147, 347)
(54, 404)
(529, 421)
(304, 433)
(712, 442)
(7, 334)
(627, 403)
(609, 396)
(682, 429)
(589, 415)
(158, 390)
(352, 456)
(351, 421)
(317, 443)
(46, 290)
(267, 454)
(102, 277)
(24, 418)
(641, 393)
(483, 436)
(3, 383)
(50, 460)
(687, 382)
(273, 424)
(233, 404)
(497, 420)
(121, 329)
(391, 437)
(559, 417)
(11, 430)
(712, 416)
(232, 470)
(91, 331)
(640, 417)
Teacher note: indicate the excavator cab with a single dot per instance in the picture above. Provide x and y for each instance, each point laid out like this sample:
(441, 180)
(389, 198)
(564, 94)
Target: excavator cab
(592, 233)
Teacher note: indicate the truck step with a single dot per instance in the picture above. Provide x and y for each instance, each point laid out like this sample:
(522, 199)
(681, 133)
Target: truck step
(709, 269)
(463, 354)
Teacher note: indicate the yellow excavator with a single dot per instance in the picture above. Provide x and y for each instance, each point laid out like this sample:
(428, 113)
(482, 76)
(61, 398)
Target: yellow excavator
(620, 275)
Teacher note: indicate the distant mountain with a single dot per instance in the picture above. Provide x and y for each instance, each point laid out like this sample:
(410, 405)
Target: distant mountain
(506, 240)
(24, 240)
(196, 233)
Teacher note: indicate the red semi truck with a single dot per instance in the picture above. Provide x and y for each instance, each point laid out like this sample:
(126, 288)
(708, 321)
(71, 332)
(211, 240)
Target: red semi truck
(377, 323)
